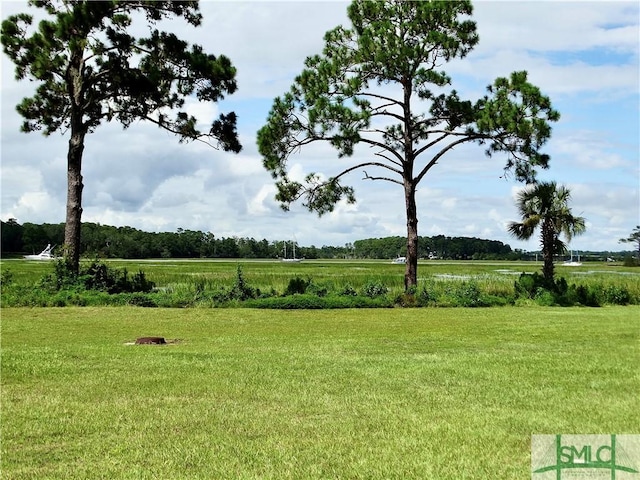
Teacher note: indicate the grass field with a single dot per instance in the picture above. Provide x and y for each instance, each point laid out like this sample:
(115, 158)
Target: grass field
(349, 394)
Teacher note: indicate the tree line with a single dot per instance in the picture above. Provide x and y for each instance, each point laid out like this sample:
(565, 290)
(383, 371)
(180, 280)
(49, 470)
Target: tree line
(108, 241)
(438, 247)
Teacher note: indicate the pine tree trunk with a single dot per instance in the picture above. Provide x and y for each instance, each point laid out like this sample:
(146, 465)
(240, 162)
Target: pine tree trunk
(73, 223)
(411, 268)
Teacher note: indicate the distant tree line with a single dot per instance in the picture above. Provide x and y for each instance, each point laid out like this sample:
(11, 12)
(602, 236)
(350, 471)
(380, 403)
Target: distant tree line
(440, 246)
(126, 242)
(106, 241)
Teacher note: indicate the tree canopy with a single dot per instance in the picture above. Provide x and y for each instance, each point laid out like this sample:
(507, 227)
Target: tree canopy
(91, 67)
(378, 84)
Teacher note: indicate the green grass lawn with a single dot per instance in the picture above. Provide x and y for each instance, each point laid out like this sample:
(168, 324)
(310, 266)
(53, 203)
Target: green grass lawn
(247, 394)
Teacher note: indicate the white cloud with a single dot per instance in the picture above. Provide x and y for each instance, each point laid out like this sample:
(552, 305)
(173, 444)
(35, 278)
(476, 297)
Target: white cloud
(262, 202)
(583, 54)
(586, 150)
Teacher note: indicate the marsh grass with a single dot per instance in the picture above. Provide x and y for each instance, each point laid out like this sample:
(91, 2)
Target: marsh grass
(377, 394)
(203, 282)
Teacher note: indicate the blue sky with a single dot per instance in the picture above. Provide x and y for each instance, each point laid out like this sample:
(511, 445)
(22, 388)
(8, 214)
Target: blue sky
(584, 55)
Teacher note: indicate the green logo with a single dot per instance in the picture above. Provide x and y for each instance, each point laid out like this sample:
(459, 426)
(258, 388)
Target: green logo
(611, 457)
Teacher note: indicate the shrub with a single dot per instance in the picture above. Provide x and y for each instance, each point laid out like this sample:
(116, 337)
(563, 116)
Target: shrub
(374, 289)
(528, 284)
(616, 295)
(468, 295)
(241, 289)
(348, 291)
(583, 295)
(406, 300)
(321, 290)
(544, 297)
(6, 277)
(96, 276)
(141, 300)
(544, 292)
(297, 285)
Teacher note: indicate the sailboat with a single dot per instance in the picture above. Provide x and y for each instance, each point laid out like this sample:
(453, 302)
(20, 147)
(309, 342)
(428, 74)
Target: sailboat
(293, 259)
(571, 262)
(46, 254)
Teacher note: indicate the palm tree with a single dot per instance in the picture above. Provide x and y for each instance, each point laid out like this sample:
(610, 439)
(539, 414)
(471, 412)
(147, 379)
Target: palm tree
(634, 237)
(546, 205)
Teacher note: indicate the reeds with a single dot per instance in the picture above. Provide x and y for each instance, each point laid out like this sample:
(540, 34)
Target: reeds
(442, 283)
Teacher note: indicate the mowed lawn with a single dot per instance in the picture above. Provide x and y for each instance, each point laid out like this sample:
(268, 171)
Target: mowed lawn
(353, 394)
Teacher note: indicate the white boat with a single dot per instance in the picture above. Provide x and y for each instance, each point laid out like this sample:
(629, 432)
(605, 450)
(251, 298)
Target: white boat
(293, 259)
(43, 255)
(400, 260)
(571, 262)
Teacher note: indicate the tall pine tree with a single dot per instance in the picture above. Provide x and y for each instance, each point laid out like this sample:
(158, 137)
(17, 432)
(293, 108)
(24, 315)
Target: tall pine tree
(91, 69)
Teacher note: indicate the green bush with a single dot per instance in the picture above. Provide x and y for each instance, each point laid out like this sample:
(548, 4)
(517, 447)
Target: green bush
(406, 300)
(374, 289)
(528, 284)
(544, 297)
(95, 276)
(141, 300)
(616, 295)
(468, 295)
(241, 289)
(583, 295)
(6, 277)
(544, 292)
(297, 285)
(348, 291)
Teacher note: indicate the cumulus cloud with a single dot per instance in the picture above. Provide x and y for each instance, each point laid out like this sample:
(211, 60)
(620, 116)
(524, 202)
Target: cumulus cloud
(585, 56)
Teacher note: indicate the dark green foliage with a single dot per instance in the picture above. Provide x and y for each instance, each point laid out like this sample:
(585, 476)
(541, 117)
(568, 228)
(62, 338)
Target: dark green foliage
(348, 291)
(140, 300)
(463, 294)
(528, 285)
(558, 292)
(6, 277)
(241, 289)
(96, 276)
(629, 261)
(468, 295)
(455, 248)
(297, 285)
(321, 290)
(585, 295)
(406, 300)
(374, 289)
(12, 236)
(616, 295)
